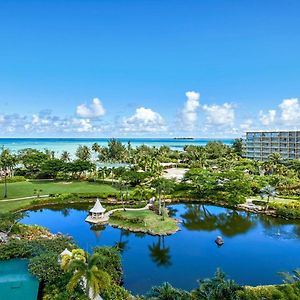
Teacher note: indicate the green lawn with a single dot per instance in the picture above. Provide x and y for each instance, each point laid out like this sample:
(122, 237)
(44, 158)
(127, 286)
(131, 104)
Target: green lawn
(150, 222)
(26, 188)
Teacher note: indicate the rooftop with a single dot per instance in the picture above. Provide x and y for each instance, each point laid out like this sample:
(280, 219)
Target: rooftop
(98, 208)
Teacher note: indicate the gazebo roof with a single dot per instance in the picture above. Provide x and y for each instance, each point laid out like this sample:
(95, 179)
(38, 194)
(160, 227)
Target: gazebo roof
(66, 252)
(98, 208)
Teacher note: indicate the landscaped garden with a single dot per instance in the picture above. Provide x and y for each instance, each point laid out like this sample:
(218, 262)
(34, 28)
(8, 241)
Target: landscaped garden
(216, 174)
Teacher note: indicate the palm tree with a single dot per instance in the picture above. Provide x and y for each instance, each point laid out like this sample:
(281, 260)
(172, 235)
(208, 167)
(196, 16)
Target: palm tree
(102, 173)
(218, 287)
(7, 163)
(268, 191)
(65, 156)
(275, 158)
(96, 148)
(163, 186)
(291, 278)
(87, 273)
(167, 292)
(83, 153)
(49, 153)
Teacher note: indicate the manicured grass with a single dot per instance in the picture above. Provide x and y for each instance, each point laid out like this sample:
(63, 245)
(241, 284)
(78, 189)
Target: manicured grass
(149, 222)
(13, 205)
(26, 188)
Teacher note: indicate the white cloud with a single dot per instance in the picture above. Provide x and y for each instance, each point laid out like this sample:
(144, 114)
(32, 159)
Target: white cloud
(267, 118)
(94, 110)
(219, 115)
(247, 125)
(287, 114)
(189, 110)
(80, 125)
(290, 111)
(144, 120)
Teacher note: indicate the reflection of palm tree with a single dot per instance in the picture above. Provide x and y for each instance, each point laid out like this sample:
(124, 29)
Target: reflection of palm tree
(197, 217)
(172, 211)
(65, 212)
(122, 245)
(159, 253)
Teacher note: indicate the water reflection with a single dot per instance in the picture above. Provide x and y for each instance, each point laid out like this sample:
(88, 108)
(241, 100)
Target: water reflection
(97, 230)
(191, 253)
(159, 253)
(280, 228)
(122, 245)
(230, 223)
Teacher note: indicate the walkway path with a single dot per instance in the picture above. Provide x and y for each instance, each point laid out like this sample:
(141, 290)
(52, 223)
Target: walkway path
(24, 198)
(107, 214)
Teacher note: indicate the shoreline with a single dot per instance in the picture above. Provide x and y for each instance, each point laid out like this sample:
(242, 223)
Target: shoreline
(147, 231)
(111, 202)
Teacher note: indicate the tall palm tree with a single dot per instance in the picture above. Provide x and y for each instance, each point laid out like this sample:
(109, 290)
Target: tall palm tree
(65, 156)
(87, 273)
(83, 153)
(7, 163)
(96, 148)
(162, 186)
(268, 192)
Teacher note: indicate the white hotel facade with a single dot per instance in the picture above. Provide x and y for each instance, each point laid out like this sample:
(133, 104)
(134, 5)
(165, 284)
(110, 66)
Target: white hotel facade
(260, 144)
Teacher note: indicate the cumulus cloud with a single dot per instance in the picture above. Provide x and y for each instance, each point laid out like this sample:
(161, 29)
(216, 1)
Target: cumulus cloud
(247, 125)
(94, 110)
(290, 111)
(189, 110)
(219, 115)
(287, 114)
(144, 120)
(267, 118)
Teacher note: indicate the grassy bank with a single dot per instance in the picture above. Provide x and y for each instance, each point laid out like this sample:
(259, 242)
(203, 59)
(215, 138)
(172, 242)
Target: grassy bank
(27, 188)
(144, 221)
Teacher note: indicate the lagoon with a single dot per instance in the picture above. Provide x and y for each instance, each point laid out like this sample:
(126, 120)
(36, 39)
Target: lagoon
(256, 246)
(70, 144)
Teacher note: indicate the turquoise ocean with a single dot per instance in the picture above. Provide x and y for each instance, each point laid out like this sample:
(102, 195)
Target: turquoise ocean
(70, 144)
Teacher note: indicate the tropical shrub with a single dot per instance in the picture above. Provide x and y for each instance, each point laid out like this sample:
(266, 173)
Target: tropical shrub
(111, 262)
(45, 267)
(167, 292)
(116, 292)
(218, 287)
(26, 249)
(289, 209)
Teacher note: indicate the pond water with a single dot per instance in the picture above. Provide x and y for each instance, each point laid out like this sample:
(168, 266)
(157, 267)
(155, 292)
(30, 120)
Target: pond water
(256, 247)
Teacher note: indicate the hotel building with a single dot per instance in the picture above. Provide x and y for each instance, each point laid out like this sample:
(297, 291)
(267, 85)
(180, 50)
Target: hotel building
(260, 144)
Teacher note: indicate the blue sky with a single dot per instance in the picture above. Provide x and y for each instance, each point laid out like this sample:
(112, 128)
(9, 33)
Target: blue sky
(148, 68)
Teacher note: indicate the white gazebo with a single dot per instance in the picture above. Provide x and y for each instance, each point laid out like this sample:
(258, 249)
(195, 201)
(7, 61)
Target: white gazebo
(97, 211)
(66, 252)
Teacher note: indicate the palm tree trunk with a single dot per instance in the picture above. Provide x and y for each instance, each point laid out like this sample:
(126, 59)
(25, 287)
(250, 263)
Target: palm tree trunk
(159, 204)
(5, 186)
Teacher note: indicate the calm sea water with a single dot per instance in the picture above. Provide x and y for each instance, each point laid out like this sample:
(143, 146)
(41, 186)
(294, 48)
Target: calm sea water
(70, 144)
(256, 247)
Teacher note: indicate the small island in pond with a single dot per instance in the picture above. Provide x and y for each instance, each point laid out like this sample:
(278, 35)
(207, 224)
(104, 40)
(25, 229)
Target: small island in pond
(145, 221)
